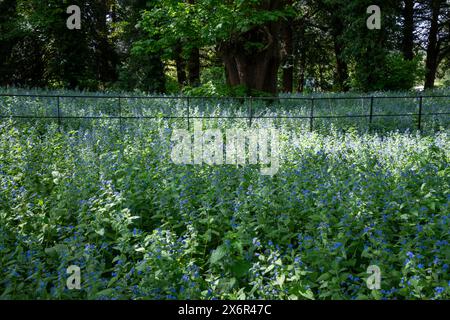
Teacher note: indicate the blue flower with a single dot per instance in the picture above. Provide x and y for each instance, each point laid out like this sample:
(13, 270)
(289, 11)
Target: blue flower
(256, 242)
(337, 245)
(409, 254)
(185, 278)
(439, 290)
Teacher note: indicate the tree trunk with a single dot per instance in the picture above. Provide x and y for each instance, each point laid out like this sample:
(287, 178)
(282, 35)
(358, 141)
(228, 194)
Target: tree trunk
(288, 50)
(408, 30)
(301, 80)
(341, 67)
(338, 30)
(256, 69)
(193, 65)
(194, 68)
(433, 46)
(181, 66)
(107, 59)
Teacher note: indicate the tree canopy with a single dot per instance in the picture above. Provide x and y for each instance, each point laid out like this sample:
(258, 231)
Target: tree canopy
(256, 46)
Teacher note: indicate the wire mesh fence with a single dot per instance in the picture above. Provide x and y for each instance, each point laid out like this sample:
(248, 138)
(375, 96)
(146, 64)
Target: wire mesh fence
(413, 112)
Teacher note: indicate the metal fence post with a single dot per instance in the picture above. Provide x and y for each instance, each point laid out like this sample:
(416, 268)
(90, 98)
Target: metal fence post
(419, 122)
(250, 111)
(371, 110)
(59, 112)
(188, 109)
(120, 113)
(311, 116)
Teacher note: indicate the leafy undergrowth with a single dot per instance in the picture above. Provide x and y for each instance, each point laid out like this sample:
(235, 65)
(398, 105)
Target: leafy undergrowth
(140, 227)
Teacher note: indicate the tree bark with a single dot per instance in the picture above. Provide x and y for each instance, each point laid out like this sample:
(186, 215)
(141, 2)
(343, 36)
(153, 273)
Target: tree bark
(194, 68)
(338, 30)
(256, 69)
(301, 80)
(181, 66)
(431, 63)
(193, 64)
(288, 50)
(341, 67)
(107, 59)
(408, 30)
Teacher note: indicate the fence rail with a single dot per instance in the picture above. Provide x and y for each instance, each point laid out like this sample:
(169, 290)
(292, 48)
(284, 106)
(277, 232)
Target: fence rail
(250, 116)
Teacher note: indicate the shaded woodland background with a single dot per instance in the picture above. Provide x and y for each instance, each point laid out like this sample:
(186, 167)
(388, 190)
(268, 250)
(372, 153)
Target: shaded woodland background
(225, 47)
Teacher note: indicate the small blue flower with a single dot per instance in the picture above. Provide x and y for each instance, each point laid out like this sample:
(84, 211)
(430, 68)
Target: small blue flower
(439, 290)
(185, 278)
(256, 242)
(337, 245)
(409, 254)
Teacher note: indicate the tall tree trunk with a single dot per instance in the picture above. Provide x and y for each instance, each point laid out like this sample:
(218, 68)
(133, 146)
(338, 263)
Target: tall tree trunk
(181, 66)
(8, 13)
(194, 68)
(288, 50)
(408, 30)
(341, 65)
(193, 65)
(431, 63)
(301, 80)
(256, 69)
(106, 56)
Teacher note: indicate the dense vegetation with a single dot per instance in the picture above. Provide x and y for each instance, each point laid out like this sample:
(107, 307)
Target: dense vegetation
(89, 181)
(111, 201)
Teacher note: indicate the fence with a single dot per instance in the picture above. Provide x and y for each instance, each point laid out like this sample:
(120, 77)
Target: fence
(188, 102)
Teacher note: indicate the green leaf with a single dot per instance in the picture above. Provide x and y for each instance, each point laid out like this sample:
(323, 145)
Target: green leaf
(280, 280)
(218, 254)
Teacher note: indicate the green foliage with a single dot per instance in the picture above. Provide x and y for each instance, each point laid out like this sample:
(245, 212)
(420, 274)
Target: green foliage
(392, 73)
(141, 227)
(402, 74)
(203, 23)
(139, 69)
(216, 90)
